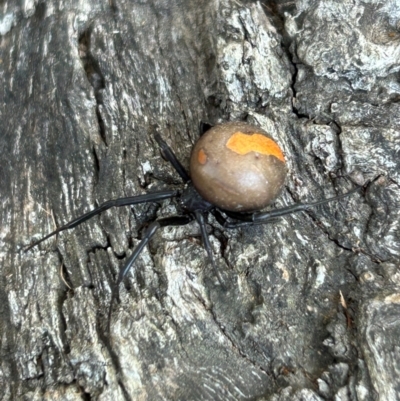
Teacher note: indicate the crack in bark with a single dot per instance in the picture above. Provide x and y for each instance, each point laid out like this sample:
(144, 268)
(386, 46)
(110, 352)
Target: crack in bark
(231, 341)
(94, 76)
(113, 356)
(353, 249)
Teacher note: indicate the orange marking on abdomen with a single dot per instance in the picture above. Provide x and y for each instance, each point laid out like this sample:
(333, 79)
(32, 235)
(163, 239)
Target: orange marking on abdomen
(245, 143)
(202, 157)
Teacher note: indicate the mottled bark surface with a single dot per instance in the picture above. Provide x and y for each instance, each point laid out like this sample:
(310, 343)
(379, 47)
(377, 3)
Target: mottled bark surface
(311, 306)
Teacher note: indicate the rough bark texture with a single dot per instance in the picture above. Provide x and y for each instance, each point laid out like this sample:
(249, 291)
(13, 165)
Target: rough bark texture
(312, 305)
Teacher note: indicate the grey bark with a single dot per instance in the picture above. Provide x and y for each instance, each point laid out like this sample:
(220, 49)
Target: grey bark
(311, 309)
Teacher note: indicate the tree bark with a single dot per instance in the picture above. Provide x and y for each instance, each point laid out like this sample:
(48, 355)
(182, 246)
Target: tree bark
(311, 304)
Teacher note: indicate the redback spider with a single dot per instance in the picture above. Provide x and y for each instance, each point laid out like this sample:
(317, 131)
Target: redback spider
(236, 168)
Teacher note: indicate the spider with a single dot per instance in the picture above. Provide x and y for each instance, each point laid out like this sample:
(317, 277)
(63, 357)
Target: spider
(236, 168)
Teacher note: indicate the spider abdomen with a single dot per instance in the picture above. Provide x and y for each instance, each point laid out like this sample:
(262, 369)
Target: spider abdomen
(238, 167)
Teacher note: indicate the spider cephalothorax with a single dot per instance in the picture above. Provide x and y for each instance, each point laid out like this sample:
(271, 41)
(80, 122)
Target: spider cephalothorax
(236, 170)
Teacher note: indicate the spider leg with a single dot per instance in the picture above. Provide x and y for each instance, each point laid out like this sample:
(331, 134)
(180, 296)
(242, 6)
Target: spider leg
(206, 241)
(245, 219)
(219, 217)
(149, 233)
(267, 217)
(132, 200)
(169, 155)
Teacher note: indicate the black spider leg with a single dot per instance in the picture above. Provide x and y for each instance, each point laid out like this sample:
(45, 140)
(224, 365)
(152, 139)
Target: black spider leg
(150, 231)
(222, 220)
(219, 217)
(169, 155)
(206, 242)
(266, 217)
(132, 200)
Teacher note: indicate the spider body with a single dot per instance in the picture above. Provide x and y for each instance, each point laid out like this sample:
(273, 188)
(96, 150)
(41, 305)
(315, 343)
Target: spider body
(190, 200)
(236, 169)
